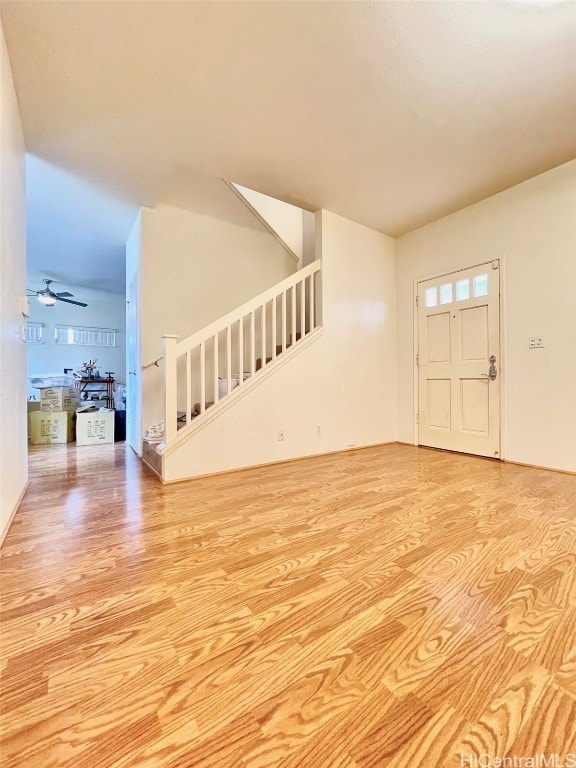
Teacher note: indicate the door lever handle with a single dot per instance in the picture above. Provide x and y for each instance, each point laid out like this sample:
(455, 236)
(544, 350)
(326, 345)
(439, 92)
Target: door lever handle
(492, 372)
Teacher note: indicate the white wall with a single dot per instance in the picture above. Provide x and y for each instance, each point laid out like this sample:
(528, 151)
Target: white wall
(13, 437)
(104, 310)
(308, 237)
(287, 221)
(533, 227)
(344, 382)
(194, 269)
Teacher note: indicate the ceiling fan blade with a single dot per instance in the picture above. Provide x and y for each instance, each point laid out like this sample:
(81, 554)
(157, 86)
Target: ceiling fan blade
(64, 293)
(69, 301)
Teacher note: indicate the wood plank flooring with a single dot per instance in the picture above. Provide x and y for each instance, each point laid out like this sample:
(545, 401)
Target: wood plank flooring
(390, 607)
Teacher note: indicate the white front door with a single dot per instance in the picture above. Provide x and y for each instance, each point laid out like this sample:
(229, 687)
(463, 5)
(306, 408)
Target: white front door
(459, 361)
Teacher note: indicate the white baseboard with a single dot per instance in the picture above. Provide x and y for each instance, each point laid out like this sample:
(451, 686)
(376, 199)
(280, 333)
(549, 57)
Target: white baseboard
(13, 513)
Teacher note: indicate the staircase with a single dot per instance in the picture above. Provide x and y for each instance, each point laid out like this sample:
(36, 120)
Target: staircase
(206, 372)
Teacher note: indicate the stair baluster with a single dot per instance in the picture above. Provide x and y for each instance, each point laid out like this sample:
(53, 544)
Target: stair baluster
(293, 320)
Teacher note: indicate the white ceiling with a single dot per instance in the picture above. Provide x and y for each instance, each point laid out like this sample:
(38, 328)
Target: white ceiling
(390, 113)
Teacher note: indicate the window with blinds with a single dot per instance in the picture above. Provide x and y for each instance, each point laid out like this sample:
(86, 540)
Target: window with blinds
(34, 333)
(86, 337)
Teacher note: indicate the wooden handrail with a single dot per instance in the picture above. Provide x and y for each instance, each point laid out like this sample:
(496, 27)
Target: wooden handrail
(153, 362)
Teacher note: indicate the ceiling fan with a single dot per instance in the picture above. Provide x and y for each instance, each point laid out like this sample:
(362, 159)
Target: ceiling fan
(48, 297)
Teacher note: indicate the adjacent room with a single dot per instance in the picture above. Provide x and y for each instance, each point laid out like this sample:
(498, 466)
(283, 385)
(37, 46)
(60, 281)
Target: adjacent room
(76, 309)
(316, 261)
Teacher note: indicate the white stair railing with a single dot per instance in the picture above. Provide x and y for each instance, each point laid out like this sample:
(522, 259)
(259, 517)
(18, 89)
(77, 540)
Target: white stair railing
(204, 368)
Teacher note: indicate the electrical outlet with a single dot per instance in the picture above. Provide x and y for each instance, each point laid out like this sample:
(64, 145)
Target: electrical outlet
(536, 342)
(351, 443)
(318, 431)
(281, 434)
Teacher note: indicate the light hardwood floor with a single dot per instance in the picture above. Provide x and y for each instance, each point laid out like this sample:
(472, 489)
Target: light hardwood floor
(387, 607)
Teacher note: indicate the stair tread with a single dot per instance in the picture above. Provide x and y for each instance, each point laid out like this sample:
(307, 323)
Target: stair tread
(206, 405)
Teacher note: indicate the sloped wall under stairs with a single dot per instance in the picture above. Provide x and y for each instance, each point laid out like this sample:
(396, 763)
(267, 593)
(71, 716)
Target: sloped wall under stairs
(344, 382)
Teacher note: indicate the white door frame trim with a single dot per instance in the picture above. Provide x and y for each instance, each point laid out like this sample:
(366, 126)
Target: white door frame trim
(501, 367)
(136, 427)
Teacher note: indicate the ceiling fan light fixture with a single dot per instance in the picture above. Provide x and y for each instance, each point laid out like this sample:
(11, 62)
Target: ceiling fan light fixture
(47, 300)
